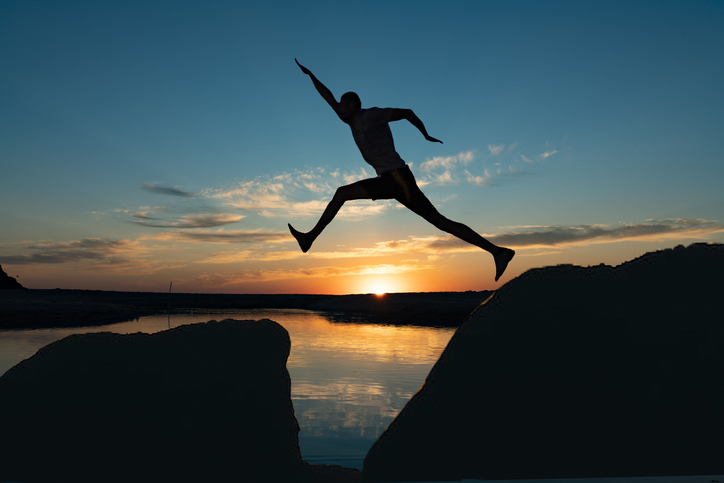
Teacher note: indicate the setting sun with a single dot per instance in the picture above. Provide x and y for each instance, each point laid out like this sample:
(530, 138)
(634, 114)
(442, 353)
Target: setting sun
(379, 287)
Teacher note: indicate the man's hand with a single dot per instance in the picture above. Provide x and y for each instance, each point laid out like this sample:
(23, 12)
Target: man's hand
(398, 114)
(321, 88)
(304, 69)
(432, 139)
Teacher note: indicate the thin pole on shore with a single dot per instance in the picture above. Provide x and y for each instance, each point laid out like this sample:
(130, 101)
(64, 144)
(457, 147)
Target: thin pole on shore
(169, 304)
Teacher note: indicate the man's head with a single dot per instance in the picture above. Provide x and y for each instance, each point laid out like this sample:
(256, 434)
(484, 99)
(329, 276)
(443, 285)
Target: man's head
(349, 105)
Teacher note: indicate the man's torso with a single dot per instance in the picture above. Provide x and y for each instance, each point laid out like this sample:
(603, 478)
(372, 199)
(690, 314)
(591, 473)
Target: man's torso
(372, 134)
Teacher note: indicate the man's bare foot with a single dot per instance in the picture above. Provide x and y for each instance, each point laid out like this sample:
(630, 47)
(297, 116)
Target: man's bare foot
(502, 258)
(304, 244)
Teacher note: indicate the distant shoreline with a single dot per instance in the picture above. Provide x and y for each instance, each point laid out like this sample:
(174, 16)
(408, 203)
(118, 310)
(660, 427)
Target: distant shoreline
(44, 308)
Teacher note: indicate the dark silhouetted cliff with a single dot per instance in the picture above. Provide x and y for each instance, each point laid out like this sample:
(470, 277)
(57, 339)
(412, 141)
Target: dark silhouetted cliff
(571, 372)
(6, 281)
(203, 402)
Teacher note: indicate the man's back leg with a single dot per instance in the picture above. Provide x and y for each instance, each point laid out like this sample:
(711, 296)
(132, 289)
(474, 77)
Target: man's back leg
(354, 191)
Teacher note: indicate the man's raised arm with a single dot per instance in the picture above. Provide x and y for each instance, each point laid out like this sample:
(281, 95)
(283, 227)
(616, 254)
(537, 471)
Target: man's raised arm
(321, 88)
(407, 114)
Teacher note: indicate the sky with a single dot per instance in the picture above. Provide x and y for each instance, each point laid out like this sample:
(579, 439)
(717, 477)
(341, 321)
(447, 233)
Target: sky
(150, 143)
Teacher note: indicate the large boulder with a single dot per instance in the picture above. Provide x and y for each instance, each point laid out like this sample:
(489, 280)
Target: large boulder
(571, 372)
(6, 281)
(204, 402)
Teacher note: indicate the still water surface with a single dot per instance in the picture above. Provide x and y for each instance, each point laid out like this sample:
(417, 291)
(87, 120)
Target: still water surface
(350, 377)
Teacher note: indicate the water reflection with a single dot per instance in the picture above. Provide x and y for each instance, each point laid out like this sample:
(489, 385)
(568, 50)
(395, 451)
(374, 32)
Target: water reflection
(349, 379)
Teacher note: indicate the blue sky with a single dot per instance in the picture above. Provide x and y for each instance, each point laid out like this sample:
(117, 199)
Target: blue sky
(144, 142)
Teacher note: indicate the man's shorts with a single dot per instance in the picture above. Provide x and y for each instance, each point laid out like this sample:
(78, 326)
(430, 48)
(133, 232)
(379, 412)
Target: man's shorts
(399, 184)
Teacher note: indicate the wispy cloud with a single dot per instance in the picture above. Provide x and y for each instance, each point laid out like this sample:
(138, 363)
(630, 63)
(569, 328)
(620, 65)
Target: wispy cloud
(287, 194)
(561, 236)
(447, 162)
(650, 230)
(224, 258)
(167, 190)
(143, 215)
(254, 195)
(447, 170)
(444, 178)
(190, 221)
(85, 250)
(547, 154)
(495, 149)
(531, 237)
(353, 177)
(352, 210)
(227, 279)
(221, 236)
(484, 180)
(380, 249)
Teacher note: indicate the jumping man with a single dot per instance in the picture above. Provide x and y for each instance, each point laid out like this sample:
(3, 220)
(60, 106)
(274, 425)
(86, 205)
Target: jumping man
(372, 134)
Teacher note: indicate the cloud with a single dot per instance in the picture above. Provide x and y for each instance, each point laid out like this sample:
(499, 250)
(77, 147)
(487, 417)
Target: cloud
(228, 257)
(254, 195)
(447, 162)
(448, 170)
(143, 215)
(495, 149)
(352, 210)
(534, 237)
(88, 249)
(540, 157)
(650, 230)
(444, 178)
(485, 180)
(286, 195)
(166, 190)
(561, 236)
(221, 236)
(547, 154)
(380, 249)
(297, 209)
(191, 221)
(246, 276)
(353, 177)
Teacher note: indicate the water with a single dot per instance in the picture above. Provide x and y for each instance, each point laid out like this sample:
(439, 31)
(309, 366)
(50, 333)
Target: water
(349, 379)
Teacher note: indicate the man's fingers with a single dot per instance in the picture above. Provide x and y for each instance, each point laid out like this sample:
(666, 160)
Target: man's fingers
(304, 69)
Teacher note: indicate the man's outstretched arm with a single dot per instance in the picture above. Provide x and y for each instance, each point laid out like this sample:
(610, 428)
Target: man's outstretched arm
(415, 121)
(321, 88)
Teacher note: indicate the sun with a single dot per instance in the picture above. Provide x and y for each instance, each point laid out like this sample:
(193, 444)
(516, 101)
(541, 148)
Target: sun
(379, 289)
(378, 285)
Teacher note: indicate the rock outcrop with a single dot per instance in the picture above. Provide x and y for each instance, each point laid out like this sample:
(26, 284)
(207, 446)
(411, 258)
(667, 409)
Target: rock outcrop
(6, 281)
(204, 402)
(571, 372)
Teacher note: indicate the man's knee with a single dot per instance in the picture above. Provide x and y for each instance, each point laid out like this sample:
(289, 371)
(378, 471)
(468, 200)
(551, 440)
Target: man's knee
(350, 192)
(342, 194)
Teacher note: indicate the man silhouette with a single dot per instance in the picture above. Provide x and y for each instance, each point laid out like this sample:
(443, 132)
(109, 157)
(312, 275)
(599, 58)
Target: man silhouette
(372, 134)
